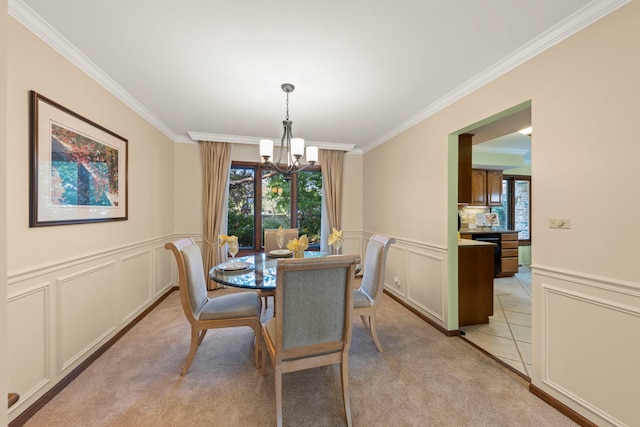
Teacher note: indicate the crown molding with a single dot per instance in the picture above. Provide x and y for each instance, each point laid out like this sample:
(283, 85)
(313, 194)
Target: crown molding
(237, 139)
(584, 17)
(34, 23)
(592, 12)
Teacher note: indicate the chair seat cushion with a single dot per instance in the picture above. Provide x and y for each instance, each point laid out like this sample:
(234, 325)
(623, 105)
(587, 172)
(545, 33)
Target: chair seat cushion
(242, 304)
(360, 299)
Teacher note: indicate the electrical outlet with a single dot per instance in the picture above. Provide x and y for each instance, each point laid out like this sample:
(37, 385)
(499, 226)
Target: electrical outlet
(396, 282)
(564, 223)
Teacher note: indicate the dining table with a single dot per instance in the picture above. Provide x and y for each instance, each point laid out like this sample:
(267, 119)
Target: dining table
(256, 271)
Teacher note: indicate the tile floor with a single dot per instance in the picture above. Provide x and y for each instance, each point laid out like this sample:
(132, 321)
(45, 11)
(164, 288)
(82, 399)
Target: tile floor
(508, 333)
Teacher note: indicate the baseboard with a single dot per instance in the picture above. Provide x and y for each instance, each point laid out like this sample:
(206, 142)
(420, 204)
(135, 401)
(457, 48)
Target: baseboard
(422, 316)
(551, 401)
(49, 395)
(561, 407)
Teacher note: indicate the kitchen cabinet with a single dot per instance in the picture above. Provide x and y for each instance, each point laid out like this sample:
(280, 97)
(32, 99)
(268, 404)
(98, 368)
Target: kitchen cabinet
(508, 254)
(475, 282)
(486, 187)
(464, 168)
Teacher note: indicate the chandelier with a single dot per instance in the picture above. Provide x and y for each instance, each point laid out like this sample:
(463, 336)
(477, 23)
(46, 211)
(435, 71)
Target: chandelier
(290, 147)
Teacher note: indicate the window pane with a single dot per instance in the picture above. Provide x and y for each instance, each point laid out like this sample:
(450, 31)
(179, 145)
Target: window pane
(276, 201)
(310, 206)
(503, 211)
(521, 209)
(241, 206)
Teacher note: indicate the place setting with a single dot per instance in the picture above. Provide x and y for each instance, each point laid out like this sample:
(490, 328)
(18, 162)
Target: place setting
(280, 253)
(232, 249)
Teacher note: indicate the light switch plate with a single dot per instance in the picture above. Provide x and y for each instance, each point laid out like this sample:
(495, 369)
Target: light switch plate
(564, 223)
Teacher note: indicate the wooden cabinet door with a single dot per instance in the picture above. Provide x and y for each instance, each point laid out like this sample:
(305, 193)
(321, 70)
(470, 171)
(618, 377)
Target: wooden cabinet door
(494, 188)
(479, 187)
(464, 168)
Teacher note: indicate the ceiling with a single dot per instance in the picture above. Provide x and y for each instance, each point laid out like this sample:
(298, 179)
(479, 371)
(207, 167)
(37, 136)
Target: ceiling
(503, 136)
(364, 71)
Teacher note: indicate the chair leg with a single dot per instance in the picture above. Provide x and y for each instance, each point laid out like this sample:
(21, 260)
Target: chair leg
(374, 332)
(344, 374)
(263, 366)
(256, 346)
(364, 321)
(196, 339)
(278, 381)
(202, 334)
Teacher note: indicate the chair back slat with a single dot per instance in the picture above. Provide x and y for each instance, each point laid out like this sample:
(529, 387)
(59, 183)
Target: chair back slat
(196, 287)
(371, 269)
(314, 304)
(270, 241)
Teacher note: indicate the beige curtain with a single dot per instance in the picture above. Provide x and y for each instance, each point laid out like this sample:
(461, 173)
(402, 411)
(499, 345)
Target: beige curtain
(331, 161)
(216, 161)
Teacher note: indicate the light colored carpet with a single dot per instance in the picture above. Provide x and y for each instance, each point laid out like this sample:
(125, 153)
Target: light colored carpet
(422, 379)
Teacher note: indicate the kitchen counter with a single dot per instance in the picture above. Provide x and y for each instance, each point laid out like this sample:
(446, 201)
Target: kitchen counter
(468, 242)
(486, 230)
(506, 250)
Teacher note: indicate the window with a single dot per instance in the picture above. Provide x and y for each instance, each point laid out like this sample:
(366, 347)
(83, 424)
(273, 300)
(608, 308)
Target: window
(271, 202)
(515, 211)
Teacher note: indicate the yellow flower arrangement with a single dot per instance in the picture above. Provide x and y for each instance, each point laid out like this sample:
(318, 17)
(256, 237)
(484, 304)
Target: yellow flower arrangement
(223, 238)
(336, 240)
(298, 246)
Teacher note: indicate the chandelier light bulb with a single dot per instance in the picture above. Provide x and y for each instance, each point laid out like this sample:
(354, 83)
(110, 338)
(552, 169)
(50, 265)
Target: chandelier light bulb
(297, 147)
(312, 154)
(266, 149)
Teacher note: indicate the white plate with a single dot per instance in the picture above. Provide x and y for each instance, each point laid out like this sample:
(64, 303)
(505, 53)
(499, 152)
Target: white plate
(280, 253)
(233, 266)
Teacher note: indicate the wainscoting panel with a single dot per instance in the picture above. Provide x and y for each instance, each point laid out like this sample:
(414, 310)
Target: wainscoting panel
(395, 268)
(28, 337)
(583, 323)
(162, 262)
(425, 283)
(59, 314)
(134, 286)
(86, 311)
(421, 270)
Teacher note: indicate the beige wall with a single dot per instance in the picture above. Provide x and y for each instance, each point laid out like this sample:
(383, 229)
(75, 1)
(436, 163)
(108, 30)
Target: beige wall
(584, 98)
(72, 287)
(35, 66)
(188, 190)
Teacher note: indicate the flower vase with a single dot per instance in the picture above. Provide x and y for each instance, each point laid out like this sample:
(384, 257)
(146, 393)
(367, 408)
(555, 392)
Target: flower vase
(298, 254)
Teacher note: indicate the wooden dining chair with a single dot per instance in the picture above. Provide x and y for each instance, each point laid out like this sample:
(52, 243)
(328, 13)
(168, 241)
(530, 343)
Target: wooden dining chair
(270, 244)
(270, 241)
(367, 297)
(204, 313)
(312, 325)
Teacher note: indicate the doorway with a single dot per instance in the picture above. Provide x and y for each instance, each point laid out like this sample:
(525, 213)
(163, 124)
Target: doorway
(498, 145)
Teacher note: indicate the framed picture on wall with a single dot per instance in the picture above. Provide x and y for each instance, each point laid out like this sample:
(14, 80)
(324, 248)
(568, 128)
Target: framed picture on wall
(78, 169)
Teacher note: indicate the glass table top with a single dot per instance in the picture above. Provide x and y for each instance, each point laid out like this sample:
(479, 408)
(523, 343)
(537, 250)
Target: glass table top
(252, 271)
